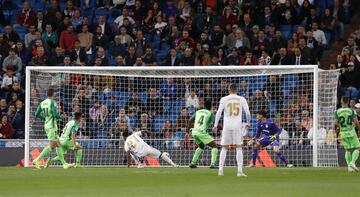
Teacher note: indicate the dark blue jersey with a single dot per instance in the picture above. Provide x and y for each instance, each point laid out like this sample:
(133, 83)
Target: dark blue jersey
(269, 128)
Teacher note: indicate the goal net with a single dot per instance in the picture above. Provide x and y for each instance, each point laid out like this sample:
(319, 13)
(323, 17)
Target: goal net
(117, 101)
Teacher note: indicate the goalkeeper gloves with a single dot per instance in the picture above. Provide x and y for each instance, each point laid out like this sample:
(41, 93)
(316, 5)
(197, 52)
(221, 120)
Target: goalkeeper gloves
(273, 137)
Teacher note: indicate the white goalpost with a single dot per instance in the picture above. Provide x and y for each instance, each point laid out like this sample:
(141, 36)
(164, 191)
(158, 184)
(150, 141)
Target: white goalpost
(117, 101)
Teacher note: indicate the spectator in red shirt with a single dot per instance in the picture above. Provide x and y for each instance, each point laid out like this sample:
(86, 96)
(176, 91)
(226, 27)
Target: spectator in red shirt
(6, 129)
(228, 19)
(189, 42)
(26, 16)
(67, 38)
(249, 59)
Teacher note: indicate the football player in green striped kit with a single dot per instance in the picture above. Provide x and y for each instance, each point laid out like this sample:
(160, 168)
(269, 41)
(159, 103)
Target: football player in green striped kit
(346, 120)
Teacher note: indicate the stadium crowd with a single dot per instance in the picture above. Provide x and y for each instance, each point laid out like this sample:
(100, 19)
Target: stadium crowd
(168, 33)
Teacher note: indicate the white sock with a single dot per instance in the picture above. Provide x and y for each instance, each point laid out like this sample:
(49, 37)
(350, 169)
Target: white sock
(167, 159)
(239, 159)
(222, 158)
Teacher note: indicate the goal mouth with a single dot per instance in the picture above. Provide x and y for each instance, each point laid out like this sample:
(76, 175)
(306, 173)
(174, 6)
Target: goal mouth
(285, 91)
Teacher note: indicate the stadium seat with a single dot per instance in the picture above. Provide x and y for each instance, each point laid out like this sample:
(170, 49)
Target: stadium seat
(143, 97)
(159, 122)
(1, 29)
(179, 135)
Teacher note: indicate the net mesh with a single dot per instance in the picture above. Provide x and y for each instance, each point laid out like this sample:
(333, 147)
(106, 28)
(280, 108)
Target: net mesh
(119, 101)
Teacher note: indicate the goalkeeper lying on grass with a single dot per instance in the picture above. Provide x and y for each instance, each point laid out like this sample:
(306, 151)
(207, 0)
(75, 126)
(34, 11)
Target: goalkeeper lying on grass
(137, 148)
(68, 142)
(270, 137)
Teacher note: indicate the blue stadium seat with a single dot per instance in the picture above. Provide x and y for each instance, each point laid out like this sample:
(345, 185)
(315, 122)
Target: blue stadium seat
(143, 97)
(102, 12)
(1, 29)
(20, 29)
(285, 28)
(328, 37)
(134, 121)
(179, 135)
(159, 122)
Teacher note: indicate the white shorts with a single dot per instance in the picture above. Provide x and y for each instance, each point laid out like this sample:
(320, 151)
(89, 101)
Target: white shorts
(143, 149)
(231, 137)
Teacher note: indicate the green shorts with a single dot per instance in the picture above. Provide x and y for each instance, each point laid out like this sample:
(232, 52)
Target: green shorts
(201, 137)
(67, 145)
(51, 134)
(350, 142)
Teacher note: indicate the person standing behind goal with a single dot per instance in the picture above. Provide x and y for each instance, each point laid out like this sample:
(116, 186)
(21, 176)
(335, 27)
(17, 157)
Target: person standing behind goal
(233, 106)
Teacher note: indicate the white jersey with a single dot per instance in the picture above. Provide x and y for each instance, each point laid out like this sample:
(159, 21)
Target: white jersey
(233, 106)
(135, 144)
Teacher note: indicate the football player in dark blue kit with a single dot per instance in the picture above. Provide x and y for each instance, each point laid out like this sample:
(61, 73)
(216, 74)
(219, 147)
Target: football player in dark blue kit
(267, 134)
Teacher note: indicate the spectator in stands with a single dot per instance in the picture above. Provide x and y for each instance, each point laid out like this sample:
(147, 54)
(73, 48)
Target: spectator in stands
(218, 37)
(244, 89)
(187, 59)
(338, 11)
(26, 15)
(50, 15)
(39, 21)
(104, 122)
(105, 28)
(167, 130)
(67, 39)
(258, 102)
(100, 39)
(154, 104)
(78, 54)
(120, 61)
(22, 52)
(85, 21)
(172, 59)
(29, 37)
(57, 58)
(278, 42)
(328, 22)
(9, 79)
(186, 40)
(120, 19)
(66, 61)
(148, 58)
(13, 61)
(182, 121)
(239, 41)
(40, 59)
(140, 44)
(293, 42)
(121, 126)
(249, 59)
(3, 107)
(319, 36)
(70, 9)
(306, 120)
(170, 9)
(134, 106)
(168, 90)
(77, 19)
(351, 45)
(6, 129)
(298, 59)
(281, 58)
(264, 59)
(192, 101)
(11, 111)
(125, 38)
(101, 54)
(116, 48)
(63, 25)
(10, 36)
(306, 52)
(130, 59)
(85, 38)
(288, 124)
(18, 90)
(234, 57)
(273, 90)
(50, 37)
(145, 124)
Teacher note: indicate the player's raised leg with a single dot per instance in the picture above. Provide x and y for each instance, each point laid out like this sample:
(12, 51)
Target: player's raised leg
(45, 152)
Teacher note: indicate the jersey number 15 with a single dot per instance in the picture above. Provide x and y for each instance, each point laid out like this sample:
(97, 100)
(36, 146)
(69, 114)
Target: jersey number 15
(234, 109)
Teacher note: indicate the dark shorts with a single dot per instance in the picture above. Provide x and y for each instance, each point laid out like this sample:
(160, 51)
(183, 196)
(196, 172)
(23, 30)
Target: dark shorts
(266, 141)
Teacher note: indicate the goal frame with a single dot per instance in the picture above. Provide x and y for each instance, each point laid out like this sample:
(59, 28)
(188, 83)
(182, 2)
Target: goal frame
(314, 68)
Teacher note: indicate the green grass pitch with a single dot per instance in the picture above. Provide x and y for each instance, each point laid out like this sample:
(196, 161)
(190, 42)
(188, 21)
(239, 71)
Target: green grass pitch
(170, 182)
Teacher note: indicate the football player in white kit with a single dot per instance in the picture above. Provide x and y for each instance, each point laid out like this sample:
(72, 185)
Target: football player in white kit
(137, 148)
(233, 106)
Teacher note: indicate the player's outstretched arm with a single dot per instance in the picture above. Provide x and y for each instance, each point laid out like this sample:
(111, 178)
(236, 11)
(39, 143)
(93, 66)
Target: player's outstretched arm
(55, 112)
(218, 115)
(247, 112)
(38, 114)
